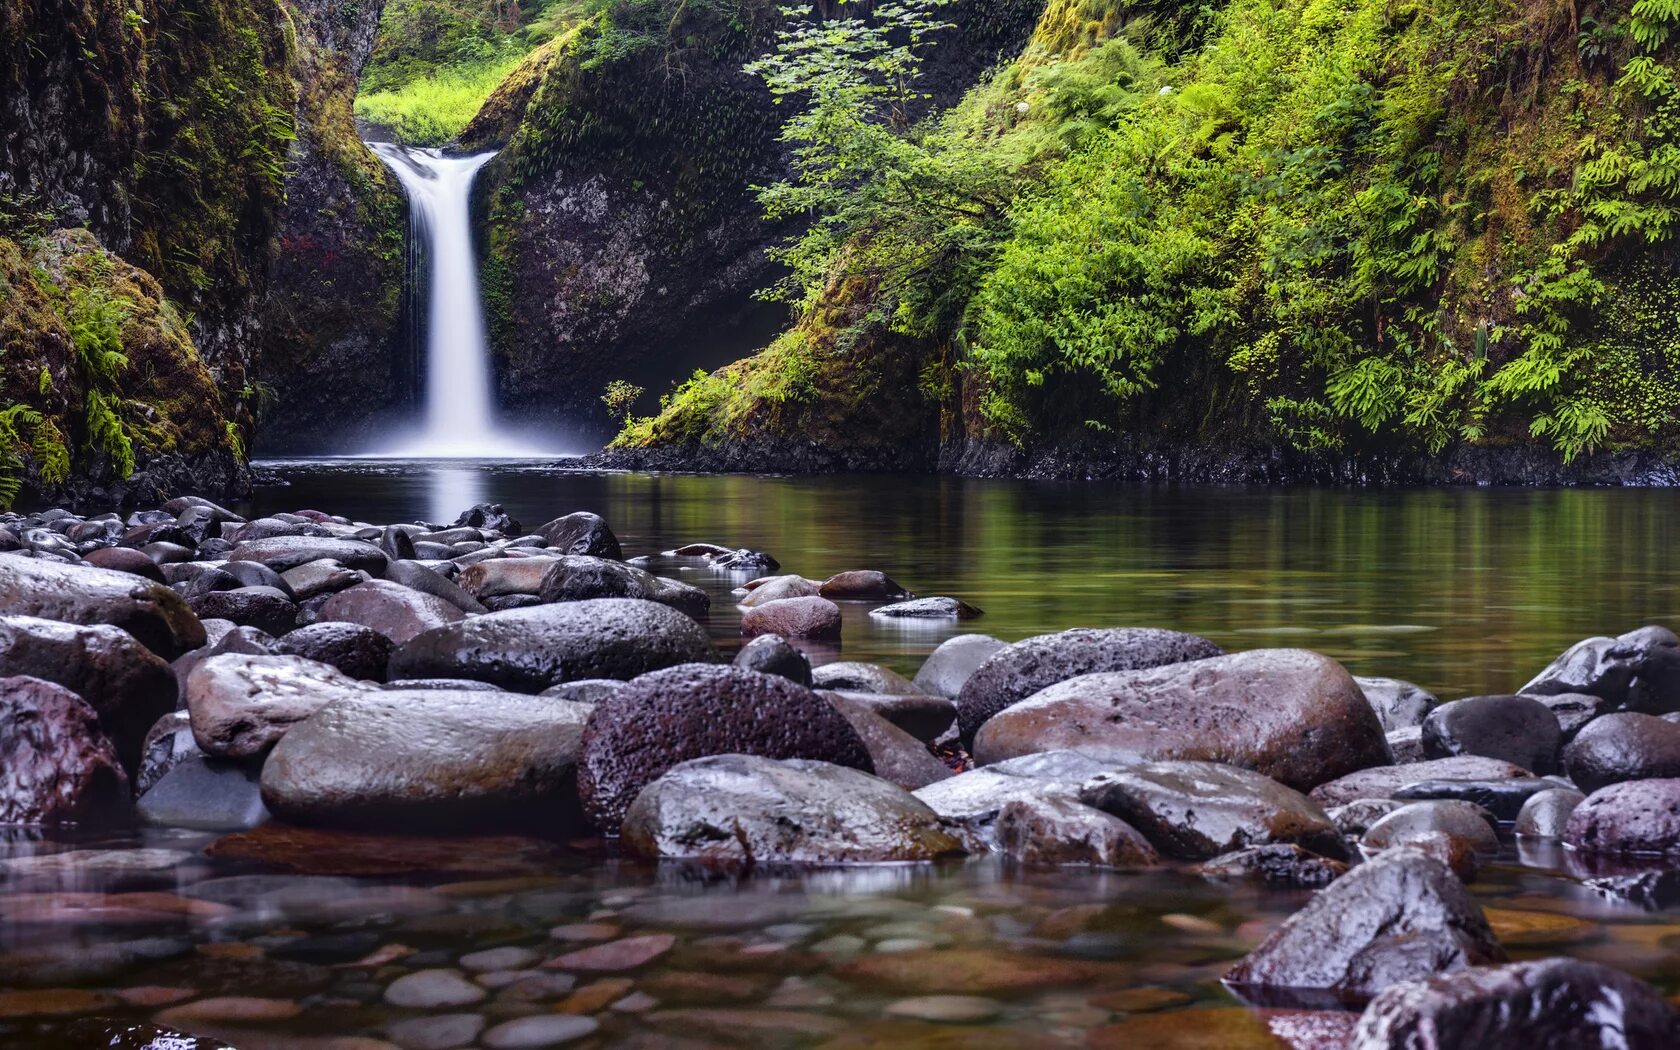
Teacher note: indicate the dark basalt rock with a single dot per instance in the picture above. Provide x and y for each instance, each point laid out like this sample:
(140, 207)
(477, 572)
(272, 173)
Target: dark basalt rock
(850, 676)
(399, 613)
(1545, 815)
(528, 650)
(1647, 889)
(1623, 746)
(1553, 1004)
(1575, 710)
(808, 617)
(773, 654)
(938, 608)
(1399, 704)
(127, 684)
(1282, 865)
(579, 577)
(863, 585)
(1314, 724)
(949, 667)
(56, 764)
(923, 717)
(266, 608)
(360, 652)
(1639, 817)
(288, 552)
(509, 602)
(167, 744)
(1198, 810)
(582, 533)
(1018, 671)
(1355, 818)
(1638, 670)
(897, 756)
(320, 579)
(124, 559)
(1502, 798)
(1052, 831)
(489, 516)
(1384, 781)
(430, 760)
(206, 795)
(1400, 916)
(256, 574)
(418, 577)
(155, 615)
(1518, 729)
(751, 810)
(663, 719)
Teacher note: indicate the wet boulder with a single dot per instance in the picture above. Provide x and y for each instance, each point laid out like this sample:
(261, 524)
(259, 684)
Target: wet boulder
(1623, 746)
(793, 618)
(167, 744)
(490, 517)
(256, 574)
(950, 666)
(528, 650)
(897, 757)
(773, 654)
(430, 760)
(129, 686)
(975, 798)
(751, 810)
(923, 717)
(1281, 865)
(399, 613)
(1634, 670)
(586, 691)
(1384, 781)
(247, 640)
(1518, 729)
(125, 559)
(496, 577)
(320, 578)
(936, 608)
(1289, 714)
(241, 705)
(155, 615)
(268, 609)
(1504, 799)
(668, 717)
(1551, 1004)
(1054, 831)
(577, 577)
(1198, 810)
(1456, 832)
(281, 553)
(1399, 704)
(863, 585)
(56, 765)
(582, 533)
(775, 588)
(1634, 817)
(1545, 815)
(1574, 710)
(204, 794)
(1019, 671)
(359, 652)
(1400, 916)
(429, 581)
(1355, 818)
(850, 676)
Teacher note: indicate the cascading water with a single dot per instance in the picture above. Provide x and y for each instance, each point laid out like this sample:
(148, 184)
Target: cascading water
(460, 416)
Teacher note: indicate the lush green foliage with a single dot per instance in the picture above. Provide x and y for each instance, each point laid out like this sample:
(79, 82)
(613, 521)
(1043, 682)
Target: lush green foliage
(432, 109)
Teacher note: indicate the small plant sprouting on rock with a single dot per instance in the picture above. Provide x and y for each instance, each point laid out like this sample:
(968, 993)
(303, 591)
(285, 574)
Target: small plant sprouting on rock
(621, 398)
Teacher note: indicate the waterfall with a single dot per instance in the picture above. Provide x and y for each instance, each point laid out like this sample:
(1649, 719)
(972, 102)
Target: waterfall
(460, 416)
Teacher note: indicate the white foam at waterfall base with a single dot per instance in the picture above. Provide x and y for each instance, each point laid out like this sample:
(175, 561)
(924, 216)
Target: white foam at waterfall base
(459, 420)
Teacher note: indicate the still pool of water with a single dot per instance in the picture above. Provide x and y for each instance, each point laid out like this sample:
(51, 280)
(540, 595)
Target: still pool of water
(332, 941)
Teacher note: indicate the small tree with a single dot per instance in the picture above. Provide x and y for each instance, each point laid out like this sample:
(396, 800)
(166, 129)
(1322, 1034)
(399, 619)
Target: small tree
(621, 398)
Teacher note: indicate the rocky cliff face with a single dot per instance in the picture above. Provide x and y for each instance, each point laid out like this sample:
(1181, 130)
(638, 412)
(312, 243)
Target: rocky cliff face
(623, 237)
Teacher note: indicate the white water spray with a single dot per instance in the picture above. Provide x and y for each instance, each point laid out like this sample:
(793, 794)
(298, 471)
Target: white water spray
(460, 415)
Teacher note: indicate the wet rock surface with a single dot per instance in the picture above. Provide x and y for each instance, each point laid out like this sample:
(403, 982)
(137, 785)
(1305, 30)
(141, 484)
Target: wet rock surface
(1282, 865)
(357, 651)
(1517, 729)
(1638, 817)
(1379, 782)
(56, 764)
(156, 616)
(1053, 831)
(240, 706)
(399, 613)
(1623, 746)
(1313, 726)
(807, 617)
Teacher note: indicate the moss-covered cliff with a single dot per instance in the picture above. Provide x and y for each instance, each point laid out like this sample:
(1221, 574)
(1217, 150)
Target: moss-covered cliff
(1271, 238)
(623, 239)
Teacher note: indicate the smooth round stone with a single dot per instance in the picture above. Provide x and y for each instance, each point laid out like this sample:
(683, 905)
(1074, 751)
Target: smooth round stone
(539, 1031)
(443, 1032)
(433, 990)
(1517, 729)
(508, 958)
(946, 1009)
(903, 944)
(1545, 815)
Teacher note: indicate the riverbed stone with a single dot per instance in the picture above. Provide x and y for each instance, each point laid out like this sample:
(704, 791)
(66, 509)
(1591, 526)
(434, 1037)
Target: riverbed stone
(268, 609)
(281, 553)
(1546, 813)
(130, 686)
(431, 760)
(241, 705)
(1398, 703)
(1504, 799)
(974, 799)
(1379, 782)
(1281, 865)
(1018, 671)
(1637, 817)
(438, 989)
(429, 581)
(1635, 670)
(922, 716)
(810, 617)
(359, 652)
(317, 578)
(168, 742)
(775, 588)
(578, 577)
(1052, 831)
(1356, 817)
(668, 717)
(153, 614)
(528, 650)
(1199, 810)
(950, 666)
(205, 795)
(942, 607)
(852, 676)
(56, 763)
(1575, 710)
(773, 654)
(1561, 1003)
(124, 559)
(581, 533)
(1518, 729)
(1312, 725)
(863, 585)
(743, 809)
(1623, 746)
(542, 1030)
(897, 757)
(1470, 837)
(1398, 916)
(500, 576)
(399, 613)
(436, 1032)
